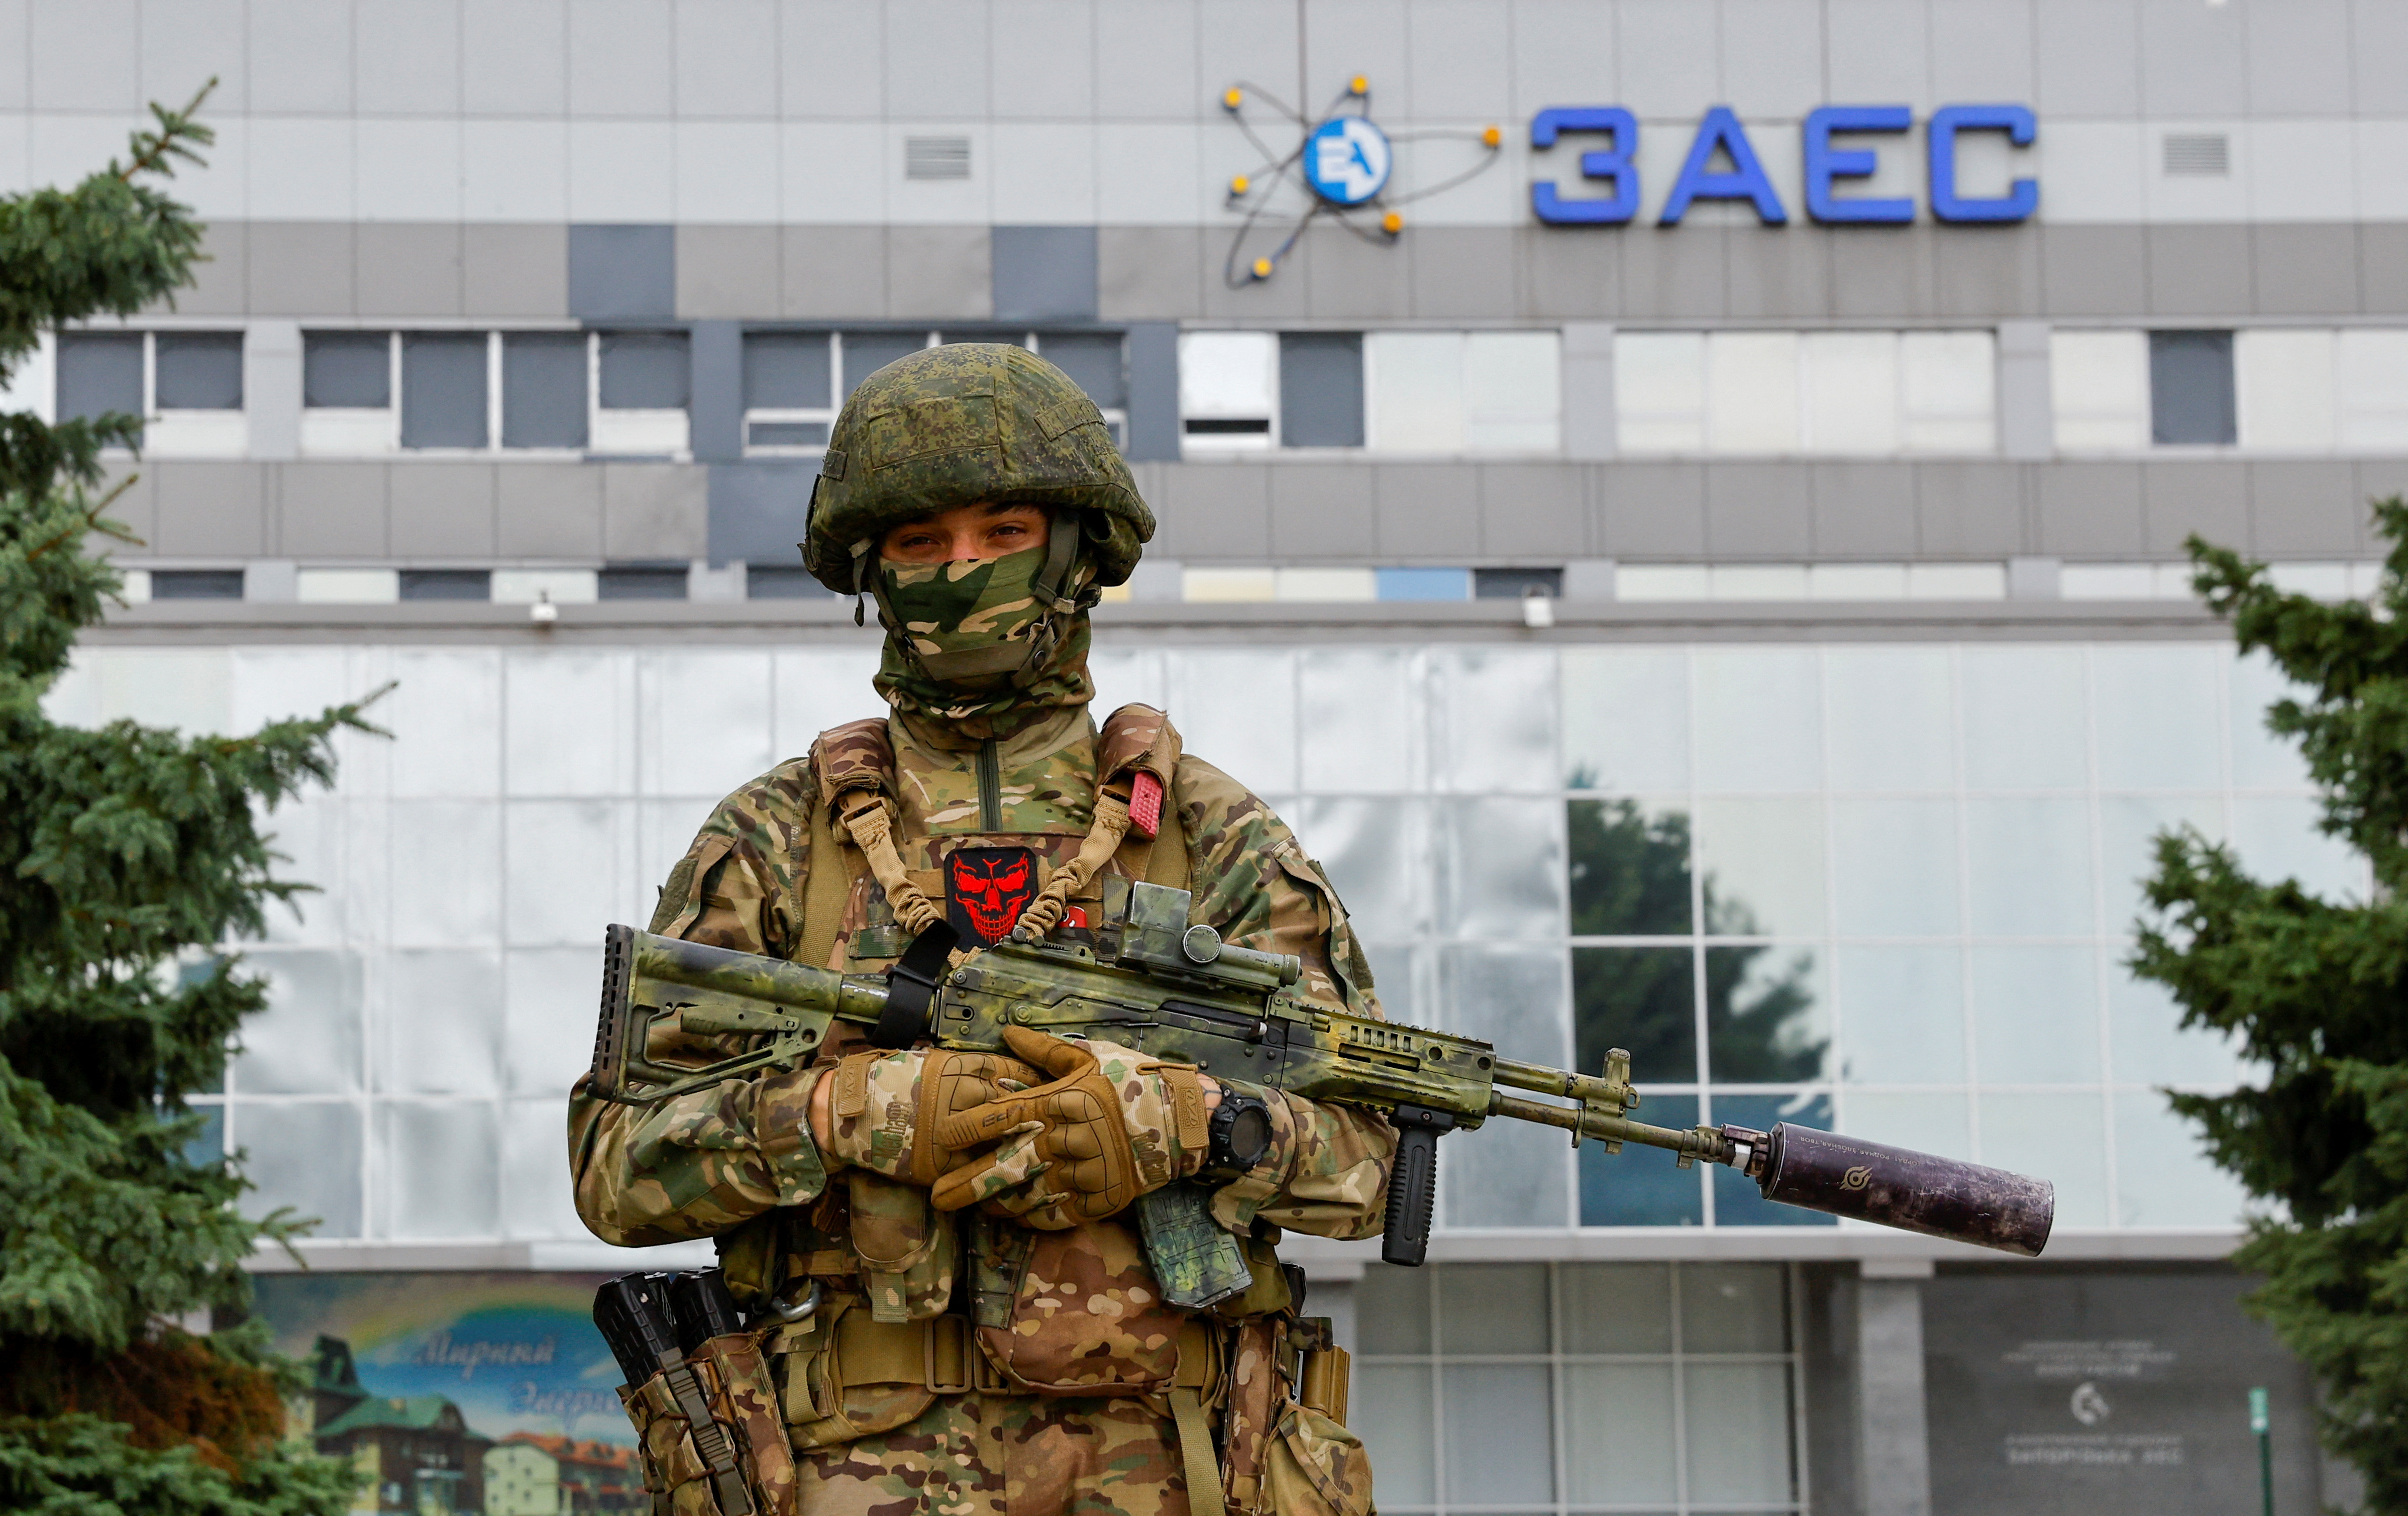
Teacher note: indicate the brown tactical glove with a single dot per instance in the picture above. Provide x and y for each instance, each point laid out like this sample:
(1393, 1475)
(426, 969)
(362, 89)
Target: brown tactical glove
(1114, 1125)
(887, 1107)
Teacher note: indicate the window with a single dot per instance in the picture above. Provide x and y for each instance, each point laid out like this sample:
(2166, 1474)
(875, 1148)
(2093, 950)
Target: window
(2190, 389)
(2372, 381)
(346, 384)
(447, 584)
(787, 404)
(2318, 390)
(1463, 392)
(196, 583)
(641, 581)
(641, 382)
(1096, 362)
(790, 405)
(444, 390)
(782, 582)
(1321, 389)
(544, 398)
(185, 387)
(1829, 394)
(2099, 386)
(1228, 390)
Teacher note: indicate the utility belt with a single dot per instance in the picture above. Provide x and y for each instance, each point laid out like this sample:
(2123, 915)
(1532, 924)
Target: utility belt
(1258, 1405)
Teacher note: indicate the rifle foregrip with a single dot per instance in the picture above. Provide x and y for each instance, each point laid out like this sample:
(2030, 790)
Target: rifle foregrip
(1412, 1186)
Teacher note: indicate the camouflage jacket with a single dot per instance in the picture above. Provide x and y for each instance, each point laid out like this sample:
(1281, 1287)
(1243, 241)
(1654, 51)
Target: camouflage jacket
(736, 1162)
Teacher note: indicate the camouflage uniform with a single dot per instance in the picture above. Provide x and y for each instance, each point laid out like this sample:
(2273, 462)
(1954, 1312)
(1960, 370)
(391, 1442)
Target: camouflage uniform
(1072, 1311)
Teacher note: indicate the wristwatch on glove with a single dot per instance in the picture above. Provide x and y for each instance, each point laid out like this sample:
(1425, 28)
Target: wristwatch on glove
(1240, 1137)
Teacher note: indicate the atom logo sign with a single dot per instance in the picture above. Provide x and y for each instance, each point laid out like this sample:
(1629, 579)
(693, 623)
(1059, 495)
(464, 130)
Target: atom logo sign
(1346, 160)
(1341, 166)
(2088, 1406)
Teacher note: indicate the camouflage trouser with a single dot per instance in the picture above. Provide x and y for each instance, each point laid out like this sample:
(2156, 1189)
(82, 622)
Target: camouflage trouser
(1004, 1456)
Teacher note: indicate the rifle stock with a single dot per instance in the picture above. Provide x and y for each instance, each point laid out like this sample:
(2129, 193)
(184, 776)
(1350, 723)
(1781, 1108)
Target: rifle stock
(1147, 981)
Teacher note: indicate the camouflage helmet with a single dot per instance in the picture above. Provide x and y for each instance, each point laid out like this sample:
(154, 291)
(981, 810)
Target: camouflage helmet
(957, 424)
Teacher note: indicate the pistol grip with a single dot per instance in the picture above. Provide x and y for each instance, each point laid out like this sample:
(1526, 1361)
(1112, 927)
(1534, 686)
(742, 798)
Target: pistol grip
(1412, 1184)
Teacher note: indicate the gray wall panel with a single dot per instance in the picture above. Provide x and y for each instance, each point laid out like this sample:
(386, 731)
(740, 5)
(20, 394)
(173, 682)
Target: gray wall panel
(221, 285)
(1459, 273)
(2191, 59)
(1214, 512)
(2090, 57)
(1878, 49)
(514, 271)
(831, 59)
(1972, 509)
(757, 511)
(2305, 270)
(2027, 415)
(937, 271)
(1779, 272)
(621, 271)
(1981, 49)
(1648, 510)
(299, 268)
(1044, 273)
(1428, 511)
(936, 57)
(2304, 508)
(1769, 53)
(1673, 273)
(271, 387)
(444, 513)
(1986, 273)
(654, 510)
(1322, 511)
(729, 272)
(2089, 510)
(1665, 58)
(2378, 479)
(1152, 393)
(1882, 273)
(2379, 40)
(2094, 270)
(408, 268)
(2180, 499)
(1150, 273)
(332, 510)
(2298, 59)
(715, 409)
(2382, 269)
(1460, 61)
(136, 511)
(1759, 509)
(209, 509)
(1589, 423)
(1145, 63)
(1032, 74)
(2198, 270)
(1348, 279)
(1569, 273)
(832, 272)
(549, 511)
(1535, 512)
(1282, 297)
(1862, 510)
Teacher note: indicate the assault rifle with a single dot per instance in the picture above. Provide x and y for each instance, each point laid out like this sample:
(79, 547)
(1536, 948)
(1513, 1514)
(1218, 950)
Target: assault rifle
(1147, 979)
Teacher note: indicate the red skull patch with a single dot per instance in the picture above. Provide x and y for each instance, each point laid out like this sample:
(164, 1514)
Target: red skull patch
(985, 889)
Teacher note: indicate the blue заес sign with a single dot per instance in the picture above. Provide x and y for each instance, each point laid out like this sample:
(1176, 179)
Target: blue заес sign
(1741, 176)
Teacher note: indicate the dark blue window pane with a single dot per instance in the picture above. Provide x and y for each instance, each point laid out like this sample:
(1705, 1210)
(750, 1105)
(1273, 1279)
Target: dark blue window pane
(347, 369)
(2190, 387)
(786, 371)
(1642, 1000)
(443, 389)
(208, 1146)
(642, 582)
(447, 584)
(1321, 389)
(1736, 1200)
(198, 371)
(196, 583)
(543, 389)
(645, 371)
(1641, 1186)
(99, 373)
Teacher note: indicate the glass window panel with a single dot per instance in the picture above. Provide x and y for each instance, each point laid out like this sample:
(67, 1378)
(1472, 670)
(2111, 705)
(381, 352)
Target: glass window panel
(1397, 977)
(2277, 838)
(1513, 385)
(2260, 759)
(1321, 389)
(550, 999)
(348, 370)
(305, 1155)
(1377, 855)
(1227, 373)
(442, 1022)
(440, 1166)
(1851, 393)
(446, 885)
(535, 1205)
(2023, 718)
(1490, 1308)
(1641, 1186)
(1762, 860)
(1930, 1124)
(1757, 722)
(1895, 868)
(1630, 870)
(196, 583)
(1510, 1176)
(446, 585)
(197, 371)
(1501, 1446)
(2035, 1013)
(543, 389)
(1738, 1439)
(1369, 722)
(1496, 720)
(443, 389)
(2163, 1176)
(308, 1041)
(865, 352)
(1659, 391)
(2061, 1138)
(1902, 1014)
(786, 371)
(641, 581)
(2146, 1039)
(1736, 1200)
(2155, 711)
(1392, 1308)
(2190, 389)
(2374, 385)
(99, 373)
(1752, 392)
(1416, 391)
(1504, 872)
(1236, 710)
(2283, 383)
(1642, 1000)
(2129, 826)
(2028, 863)
(1092, 359)
(1891, 718)
(1767, 1016)
(1626, 719)
(1616, 1309)
(645, 371)
(208, 1146)
(1733, 1308)
(1393, 1413)
(2099, 385)
(1619, 1445)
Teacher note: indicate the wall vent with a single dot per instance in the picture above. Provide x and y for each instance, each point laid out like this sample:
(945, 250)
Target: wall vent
(949, 157)
(2203, 154)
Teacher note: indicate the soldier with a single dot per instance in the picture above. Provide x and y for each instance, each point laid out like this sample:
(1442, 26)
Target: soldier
(975, 1330)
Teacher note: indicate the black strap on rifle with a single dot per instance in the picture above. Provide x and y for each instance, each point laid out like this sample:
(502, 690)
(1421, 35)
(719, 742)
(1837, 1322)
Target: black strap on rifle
(911, 986)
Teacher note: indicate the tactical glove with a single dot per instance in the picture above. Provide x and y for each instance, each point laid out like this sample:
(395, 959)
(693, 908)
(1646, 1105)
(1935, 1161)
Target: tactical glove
(1113, 1125)
(886, 1109)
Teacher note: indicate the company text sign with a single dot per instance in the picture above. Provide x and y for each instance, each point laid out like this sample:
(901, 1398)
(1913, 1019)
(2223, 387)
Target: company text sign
(1839, 144)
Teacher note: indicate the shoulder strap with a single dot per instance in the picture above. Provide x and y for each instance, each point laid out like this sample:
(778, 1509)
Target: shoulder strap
(857, 756)
(1139, 739)
(827, 884)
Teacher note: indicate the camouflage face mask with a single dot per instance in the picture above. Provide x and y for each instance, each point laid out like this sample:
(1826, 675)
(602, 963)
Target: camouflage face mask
(966, 621)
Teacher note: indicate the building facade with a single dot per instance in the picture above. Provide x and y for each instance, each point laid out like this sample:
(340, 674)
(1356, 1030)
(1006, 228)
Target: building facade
(1681, 502)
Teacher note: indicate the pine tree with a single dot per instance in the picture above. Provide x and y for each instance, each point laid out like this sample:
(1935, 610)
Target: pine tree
(2316, 993)
(127, 854)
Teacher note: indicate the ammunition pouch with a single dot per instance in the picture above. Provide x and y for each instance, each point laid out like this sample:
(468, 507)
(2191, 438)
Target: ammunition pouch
(708, 1435)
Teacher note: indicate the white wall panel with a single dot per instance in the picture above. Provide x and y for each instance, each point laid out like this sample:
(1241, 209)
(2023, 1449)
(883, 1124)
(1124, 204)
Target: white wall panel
(300, 57)
(727, 172)
(1851, 392)
(406, 56)
(1752, 392)
(514, 170)
(184, 46)
(84, 56)
(1152, 174)
(2371, 378)
(408, 170)
(1044, 173)
(301, 168)
(727, 58)
(566, 728)
(514, 58)
(831, 173)
(1659, 386)
(2283, 387)
(2099, 385)
(1414, 392)
(621, 171)
(620, 54)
